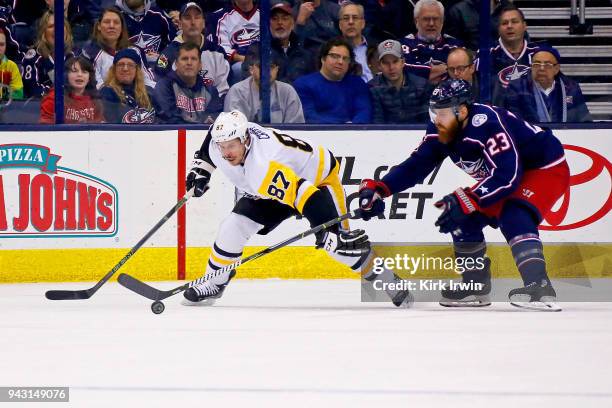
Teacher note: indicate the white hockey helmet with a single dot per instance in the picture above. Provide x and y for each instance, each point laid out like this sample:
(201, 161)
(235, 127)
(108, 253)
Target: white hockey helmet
(228, 126)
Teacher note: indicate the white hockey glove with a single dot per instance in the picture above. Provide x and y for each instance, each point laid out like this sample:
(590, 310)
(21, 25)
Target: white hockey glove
(198, 177)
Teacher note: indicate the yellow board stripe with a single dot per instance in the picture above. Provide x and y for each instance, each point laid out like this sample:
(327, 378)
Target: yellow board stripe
(151, 264)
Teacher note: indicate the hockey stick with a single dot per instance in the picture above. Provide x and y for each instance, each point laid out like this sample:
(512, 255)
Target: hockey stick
(150, 292)
(87, 293)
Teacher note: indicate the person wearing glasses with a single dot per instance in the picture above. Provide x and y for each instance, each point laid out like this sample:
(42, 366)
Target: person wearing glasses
(332, 95)
(426, 51)
(352, 23)
(125, 96)
(546, 95)
(460, 65)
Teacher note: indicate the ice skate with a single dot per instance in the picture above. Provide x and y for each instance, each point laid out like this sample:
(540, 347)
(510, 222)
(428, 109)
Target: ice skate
(206, 293)
(475, 295)
(535, 296)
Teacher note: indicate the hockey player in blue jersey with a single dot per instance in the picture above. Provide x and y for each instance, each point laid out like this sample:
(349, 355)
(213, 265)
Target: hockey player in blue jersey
(520, 171)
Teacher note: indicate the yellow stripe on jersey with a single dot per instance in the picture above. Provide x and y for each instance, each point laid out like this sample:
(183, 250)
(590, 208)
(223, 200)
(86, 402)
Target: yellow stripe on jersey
(280, 183)
(332, 181)
(303, 196)
(321, 165)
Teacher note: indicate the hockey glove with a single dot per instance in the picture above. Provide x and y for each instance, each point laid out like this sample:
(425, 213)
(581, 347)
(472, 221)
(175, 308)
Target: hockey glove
(371, 194)
(456, 209)
(346, 243)
(198, 177)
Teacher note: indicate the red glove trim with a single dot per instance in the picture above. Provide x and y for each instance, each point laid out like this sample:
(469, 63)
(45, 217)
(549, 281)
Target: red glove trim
(467, 200)
(378, 186)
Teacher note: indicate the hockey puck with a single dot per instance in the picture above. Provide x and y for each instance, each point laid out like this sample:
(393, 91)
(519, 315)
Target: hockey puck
(157, 307)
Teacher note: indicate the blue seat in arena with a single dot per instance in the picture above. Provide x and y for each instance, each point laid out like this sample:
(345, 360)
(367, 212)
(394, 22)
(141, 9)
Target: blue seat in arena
(26, 111)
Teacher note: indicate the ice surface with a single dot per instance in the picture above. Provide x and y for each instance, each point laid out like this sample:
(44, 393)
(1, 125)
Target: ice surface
(301, 344)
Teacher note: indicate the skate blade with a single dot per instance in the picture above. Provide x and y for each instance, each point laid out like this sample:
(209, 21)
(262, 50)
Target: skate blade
(205, 302)
(469, 301)
(545, 306)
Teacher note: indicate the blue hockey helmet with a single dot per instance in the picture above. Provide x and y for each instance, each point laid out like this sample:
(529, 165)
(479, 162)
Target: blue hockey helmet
(452, 92)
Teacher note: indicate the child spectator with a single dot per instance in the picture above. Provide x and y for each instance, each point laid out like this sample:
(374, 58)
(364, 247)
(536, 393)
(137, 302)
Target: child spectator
(80, 105)
(11, 86)
(125, 96)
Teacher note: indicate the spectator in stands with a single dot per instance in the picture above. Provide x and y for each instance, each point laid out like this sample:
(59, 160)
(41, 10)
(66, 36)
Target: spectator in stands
(81, 14)
(316, 22)
(39, 62)
(332, 95)
(294, 61)
(546, 95)
(237, 28)
(426, 51)
(463, 21)
(183, 96)
(110, 36)
(373, 60)
(125, 96)
(148, 29)
(352, 24)
(388, 18)
(398, 96)
(511, 58)
(14, 50)
(80, 103)
(11, 85)
(285, 105)
(215, 66)
(460, 65)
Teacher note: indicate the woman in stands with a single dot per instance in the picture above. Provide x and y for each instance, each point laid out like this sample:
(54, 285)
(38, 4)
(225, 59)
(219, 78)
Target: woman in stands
(110, 36)
(125, 96)
(38, 62)
(80, 103)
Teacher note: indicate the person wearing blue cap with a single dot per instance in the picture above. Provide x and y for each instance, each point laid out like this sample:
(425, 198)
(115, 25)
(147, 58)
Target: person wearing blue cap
(546, 95)
(125, 96)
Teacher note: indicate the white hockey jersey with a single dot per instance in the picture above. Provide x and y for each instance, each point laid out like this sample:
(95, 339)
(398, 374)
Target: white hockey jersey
(277, 166)
(237, 30)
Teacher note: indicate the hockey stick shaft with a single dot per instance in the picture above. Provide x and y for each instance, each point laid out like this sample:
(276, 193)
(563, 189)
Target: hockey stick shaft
(87, 293)
(152, 293)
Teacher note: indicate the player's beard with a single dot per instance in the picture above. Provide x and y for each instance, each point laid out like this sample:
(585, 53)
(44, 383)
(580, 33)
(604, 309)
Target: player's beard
(448, 134)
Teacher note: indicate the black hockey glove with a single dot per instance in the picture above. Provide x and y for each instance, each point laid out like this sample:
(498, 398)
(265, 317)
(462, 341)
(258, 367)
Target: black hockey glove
(456, 209)
(371, 194)
(198, 177)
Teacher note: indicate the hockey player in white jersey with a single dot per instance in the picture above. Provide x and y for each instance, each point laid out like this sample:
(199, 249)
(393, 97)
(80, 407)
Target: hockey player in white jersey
(277, 176)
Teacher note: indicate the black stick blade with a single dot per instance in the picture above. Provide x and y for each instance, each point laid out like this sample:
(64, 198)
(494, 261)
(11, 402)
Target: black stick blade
(139, 287)
(67, 294)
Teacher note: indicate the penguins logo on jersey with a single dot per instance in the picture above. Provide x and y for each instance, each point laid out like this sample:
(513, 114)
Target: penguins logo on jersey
(512, 72)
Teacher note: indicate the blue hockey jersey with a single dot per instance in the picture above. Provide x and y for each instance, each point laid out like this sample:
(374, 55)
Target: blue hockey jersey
(495, 148)
(421, 55)
(504, 67)
(149, 30)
